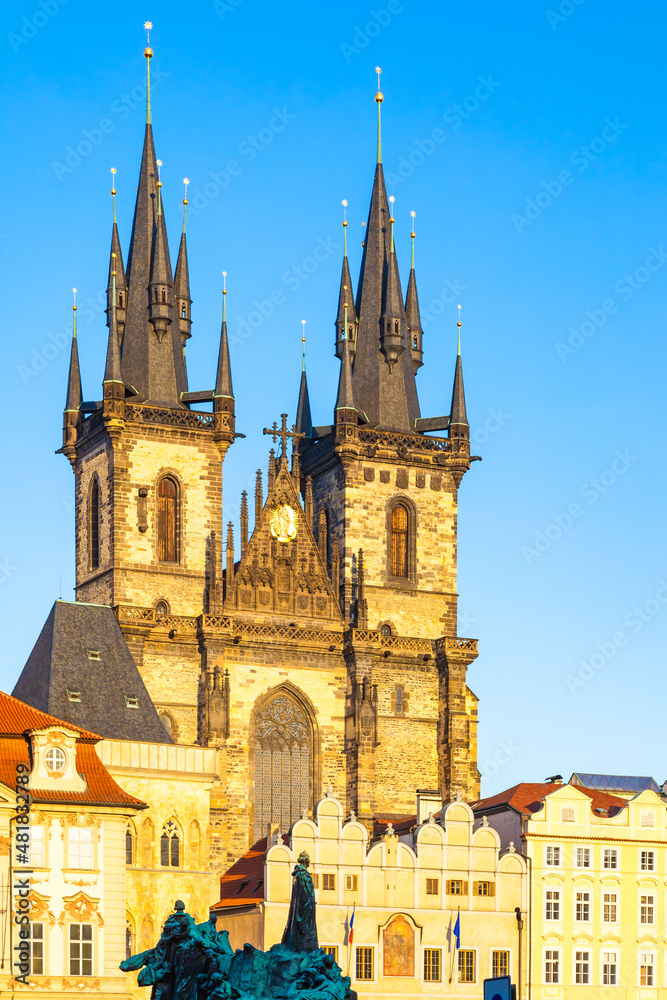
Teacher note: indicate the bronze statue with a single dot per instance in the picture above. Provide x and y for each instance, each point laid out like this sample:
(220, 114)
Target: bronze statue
(301, 930)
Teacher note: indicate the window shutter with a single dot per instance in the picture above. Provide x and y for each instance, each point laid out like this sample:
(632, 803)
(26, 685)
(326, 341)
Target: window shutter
(492, 888)
(464, 890)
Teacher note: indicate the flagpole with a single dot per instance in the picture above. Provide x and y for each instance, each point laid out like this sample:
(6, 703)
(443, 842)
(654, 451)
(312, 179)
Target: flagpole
(350, 938)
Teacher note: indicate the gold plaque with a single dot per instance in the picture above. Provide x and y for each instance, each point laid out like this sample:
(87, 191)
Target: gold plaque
(284, 521)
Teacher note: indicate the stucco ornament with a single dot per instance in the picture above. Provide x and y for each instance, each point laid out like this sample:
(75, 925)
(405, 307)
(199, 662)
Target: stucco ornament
(284, 523)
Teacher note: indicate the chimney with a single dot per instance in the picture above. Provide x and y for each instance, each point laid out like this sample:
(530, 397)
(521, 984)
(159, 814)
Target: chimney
(428, 801)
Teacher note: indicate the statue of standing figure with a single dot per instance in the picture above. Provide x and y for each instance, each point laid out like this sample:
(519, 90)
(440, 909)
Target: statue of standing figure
(300, 933)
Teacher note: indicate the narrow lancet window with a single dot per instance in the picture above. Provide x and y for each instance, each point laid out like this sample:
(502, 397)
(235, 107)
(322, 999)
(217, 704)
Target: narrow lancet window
(399, 541)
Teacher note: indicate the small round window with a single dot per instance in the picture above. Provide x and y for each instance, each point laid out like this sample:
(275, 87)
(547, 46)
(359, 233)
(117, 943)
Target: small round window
(55, 759)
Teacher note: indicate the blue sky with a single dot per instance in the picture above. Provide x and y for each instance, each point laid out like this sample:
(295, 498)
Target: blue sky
(529, 138)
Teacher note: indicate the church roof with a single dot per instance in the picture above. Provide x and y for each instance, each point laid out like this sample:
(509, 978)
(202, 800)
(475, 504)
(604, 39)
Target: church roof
(17, 719)
(243, 883)
(81, 651)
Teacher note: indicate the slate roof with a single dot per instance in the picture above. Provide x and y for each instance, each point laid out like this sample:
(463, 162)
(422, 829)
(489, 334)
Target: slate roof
(17, 719)
(243, 883)
(527, 798)
(60, 662)
(623, 783)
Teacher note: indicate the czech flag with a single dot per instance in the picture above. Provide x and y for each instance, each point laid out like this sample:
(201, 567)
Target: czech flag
(351, 936)
(457, 929)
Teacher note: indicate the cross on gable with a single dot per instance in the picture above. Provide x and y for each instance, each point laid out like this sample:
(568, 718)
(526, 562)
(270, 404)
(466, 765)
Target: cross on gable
(282, 433)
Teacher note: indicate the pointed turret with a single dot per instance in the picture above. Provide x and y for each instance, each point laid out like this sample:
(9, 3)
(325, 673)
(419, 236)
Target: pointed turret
(383, 375)
(147, 358)
(113, 387)
(183, 304)
(304, 423)
(345, 409)
(223, 397)
(415, 332)
(458, 419)
(116, 258)
(74, 395)
(345, 296)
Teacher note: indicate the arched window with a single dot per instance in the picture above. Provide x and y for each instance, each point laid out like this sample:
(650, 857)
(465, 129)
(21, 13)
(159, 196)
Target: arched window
(170, 846)
(164, 295)
(129, 937)
(94, 526)
(183, 316)
(167, 520)
(161, 609)
(283, 763)
(399, 699)
(120, 300)
(167, 722)
(399, 541)
(130, 851)
(385, 630)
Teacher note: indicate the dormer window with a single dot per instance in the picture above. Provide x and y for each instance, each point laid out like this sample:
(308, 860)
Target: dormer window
(131, 702)
(55, 759)
(164, 295)
(74, 695)
(120, 300)
(93, 654)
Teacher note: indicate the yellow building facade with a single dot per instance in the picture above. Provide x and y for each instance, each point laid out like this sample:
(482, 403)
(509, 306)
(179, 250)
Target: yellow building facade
(598, 881)
(406, 888)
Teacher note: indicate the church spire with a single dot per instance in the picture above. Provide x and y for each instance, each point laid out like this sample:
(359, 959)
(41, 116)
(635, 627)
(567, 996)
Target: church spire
(458, 419)
(183, 304)
(113, 387)
(304, 423)
(383, 375)
(345, 294)
(345, 408)
(415, 332)
(223, 397)
(74, 395)
(148, 358)
(121, 284)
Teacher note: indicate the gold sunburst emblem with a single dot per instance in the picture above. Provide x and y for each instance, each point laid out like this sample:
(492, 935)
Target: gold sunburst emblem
(284, 523)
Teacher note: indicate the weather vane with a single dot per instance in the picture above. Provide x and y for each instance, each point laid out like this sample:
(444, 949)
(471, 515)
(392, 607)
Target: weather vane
(74, 306)
(186, 181)
(303, 342)
(148, 26)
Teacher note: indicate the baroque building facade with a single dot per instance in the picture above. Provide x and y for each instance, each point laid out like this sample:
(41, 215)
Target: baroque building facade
(318, 646)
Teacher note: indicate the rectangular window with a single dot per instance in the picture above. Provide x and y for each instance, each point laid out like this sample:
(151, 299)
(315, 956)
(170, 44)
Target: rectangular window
(483, 889)
(432, 886)
(131, 701)
(80, 841)
(93, 654)
(582, 906)
(456, 887)
(553, 855)
(432, 965)
(73, 695)
(36, 944)
(609, 973)
(500, 963)
(609, 907)
(582, 968)
(364, 963)
(645, 969)
(80, 949)
(647, 909)
(329, 882)
(466, 966)
(552, 904)
(552, 965)
(610, 858)
(36, 834)
(331, 949)
(647, 861)
(583, 857)
(351, 883)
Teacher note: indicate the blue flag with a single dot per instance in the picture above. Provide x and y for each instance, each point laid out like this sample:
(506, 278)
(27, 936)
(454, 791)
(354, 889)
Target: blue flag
(457, 929)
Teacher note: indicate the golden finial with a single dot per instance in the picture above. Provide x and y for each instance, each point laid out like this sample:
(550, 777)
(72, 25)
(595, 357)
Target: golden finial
(459, 327)
(159, 185)
(379, 97)
(224, 296)
(113, 254)
(391, 221)
(344, 204)
(148, 52)
(363, 234)
(185, 199)
(303, 344)
(113, 191)
(74, 306)
(412, 237)
(74, 314)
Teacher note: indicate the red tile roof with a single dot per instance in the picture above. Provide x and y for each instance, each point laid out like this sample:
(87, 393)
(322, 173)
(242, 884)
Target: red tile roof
(243, 883)
(527, 798)
(17, 719)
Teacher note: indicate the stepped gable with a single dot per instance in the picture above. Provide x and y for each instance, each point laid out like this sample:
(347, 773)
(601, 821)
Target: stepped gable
(81, 671)
(282, 577)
